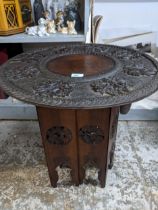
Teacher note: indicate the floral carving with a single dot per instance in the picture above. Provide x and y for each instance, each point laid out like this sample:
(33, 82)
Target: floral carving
(109, 87)
(59, 135)
(142, 71)
(54, 89)
(25, 72)
(91, 134)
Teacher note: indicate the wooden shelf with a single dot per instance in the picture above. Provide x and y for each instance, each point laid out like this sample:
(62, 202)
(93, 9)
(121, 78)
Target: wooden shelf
(58, 37)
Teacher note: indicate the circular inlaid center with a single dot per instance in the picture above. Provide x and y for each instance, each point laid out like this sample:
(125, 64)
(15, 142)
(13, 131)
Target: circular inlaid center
(81, 64)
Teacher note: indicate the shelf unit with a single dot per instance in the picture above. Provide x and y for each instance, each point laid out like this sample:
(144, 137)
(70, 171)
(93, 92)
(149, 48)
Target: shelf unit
(58, 37)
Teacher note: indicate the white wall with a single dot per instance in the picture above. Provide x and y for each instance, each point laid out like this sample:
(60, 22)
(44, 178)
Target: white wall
(126, 18)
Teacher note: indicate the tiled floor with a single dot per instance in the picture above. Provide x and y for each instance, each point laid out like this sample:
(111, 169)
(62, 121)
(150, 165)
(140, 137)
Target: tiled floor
(132, 184)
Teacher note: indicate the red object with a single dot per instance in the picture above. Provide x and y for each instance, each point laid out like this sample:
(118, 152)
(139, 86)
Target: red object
(3, 59)
(3, 56)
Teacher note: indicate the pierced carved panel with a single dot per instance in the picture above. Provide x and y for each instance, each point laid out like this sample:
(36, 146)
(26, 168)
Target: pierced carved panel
(91, 134)
(91, 170)
(59, 135)
(64, 174)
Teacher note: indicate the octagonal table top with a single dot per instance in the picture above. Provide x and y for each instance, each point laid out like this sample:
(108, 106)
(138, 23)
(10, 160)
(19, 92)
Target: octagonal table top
(80, 76)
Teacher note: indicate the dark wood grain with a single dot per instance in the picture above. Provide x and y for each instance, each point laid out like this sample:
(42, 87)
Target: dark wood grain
(57, 155)
(94, 153)
(86, 64)
(89, 140)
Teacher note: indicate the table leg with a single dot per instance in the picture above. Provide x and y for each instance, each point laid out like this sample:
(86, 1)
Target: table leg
(112, 134)
(93, 126)
(58, 130)
(79, 140)
(113, 129)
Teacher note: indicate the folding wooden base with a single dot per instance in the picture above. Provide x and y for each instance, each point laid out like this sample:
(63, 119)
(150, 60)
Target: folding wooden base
(78, 139)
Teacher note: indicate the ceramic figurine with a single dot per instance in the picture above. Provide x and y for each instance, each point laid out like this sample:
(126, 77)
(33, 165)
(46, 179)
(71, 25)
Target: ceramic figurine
(40, 30)
(71, 27)
(72, 3)
(50, 9)
(42, 21)
(64, 30)
(42, 27)
(59, 21)
(38, 10)
(51, 27)
(71, 14)
(31, 30)
(47, 15)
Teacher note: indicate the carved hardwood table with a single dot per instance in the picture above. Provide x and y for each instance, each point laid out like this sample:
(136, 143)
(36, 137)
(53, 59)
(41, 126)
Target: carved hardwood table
(78, 116)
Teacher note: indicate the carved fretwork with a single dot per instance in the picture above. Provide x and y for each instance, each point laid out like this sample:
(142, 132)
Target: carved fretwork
(91, 171)
(61, 166)
(64, 175)
(59, 135)
(91, 134)
(63, 161)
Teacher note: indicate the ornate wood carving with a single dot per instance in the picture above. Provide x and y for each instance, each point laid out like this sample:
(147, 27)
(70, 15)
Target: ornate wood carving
(107, 87)
(54, 89)
(60, 142)
(133, 75)
(91, 170)
(91, 134)
(59, 135)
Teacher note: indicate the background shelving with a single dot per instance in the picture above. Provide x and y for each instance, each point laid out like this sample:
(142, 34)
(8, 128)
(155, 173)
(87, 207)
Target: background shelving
(58, 37)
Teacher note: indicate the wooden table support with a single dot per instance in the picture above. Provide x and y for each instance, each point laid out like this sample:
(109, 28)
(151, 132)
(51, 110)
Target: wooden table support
(78, 139)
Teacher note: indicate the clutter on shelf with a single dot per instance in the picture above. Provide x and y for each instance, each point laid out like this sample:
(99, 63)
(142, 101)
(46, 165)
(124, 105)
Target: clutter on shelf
(56, 16)
(40, 29)
(50, 17)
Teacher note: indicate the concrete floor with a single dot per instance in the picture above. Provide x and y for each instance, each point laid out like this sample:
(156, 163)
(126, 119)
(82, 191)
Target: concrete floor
(132, 184)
